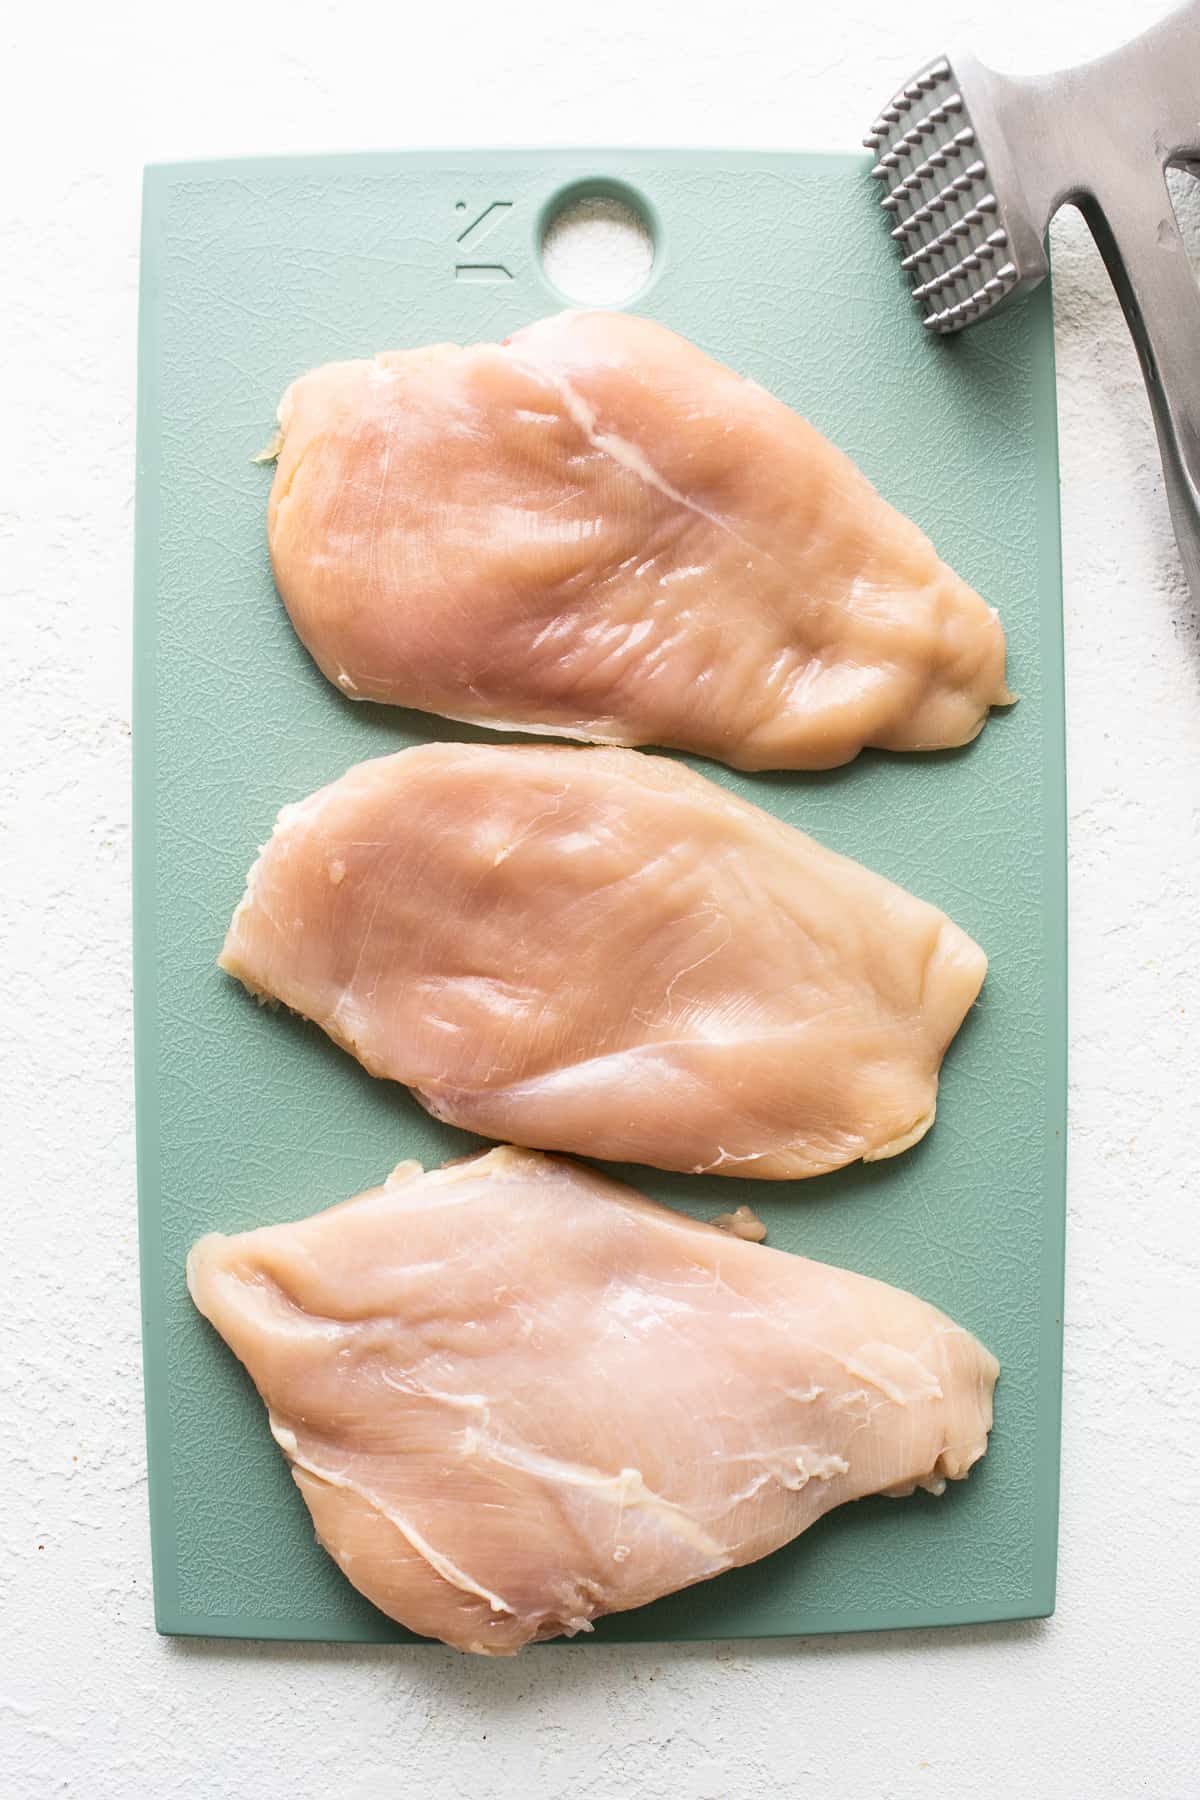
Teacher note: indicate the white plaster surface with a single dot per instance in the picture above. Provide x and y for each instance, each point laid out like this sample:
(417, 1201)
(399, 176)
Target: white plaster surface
(1101, 1702)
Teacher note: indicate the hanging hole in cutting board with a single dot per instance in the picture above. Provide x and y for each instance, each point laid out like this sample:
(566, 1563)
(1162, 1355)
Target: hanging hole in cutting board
(597, 245)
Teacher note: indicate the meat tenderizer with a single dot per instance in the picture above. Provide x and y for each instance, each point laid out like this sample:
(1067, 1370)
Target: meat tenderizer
(976, 164)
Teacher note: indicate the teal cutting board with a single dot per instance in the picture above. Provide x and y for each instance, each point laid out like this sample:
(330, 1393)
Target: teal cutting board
(781, 266)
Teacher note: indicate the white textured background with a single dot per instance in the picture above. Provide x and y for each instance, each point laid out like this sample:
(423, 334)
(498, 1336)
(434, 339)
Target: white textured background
(1099, 1702)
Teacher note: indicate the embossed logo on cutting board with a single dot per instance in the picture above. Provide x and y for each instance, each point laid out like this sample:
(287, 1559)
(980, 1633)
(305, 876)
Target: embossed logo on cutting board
(469, 239)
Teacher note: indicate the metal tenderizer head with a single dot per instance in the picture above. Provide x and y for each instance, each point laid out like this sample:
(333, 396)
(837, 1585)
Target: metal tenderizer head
(955, 237)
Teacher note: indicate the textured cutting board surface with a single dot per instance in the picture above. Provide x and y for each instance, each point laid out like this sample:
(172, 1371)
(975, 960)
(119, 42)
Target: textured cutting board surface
(779, 265)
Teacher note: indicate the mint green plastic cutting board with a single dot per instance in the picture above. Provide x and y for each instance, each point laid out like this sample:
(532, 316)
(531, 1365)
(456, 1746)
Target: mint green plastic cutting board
(781, 266)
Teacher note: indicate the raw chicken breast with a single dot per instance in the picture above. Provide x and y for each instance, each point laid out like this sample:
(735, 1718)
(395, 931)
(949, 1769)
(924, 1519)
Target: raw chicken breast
(517, 1395)
(601, 951)
(594, 530)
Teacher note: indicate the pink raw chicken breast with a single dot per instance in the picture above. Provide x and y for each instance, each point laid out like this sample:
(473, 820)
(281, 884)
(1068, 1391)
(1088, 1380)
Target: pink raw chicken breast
(594, 530)
(602, 951)
(516, 1395)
